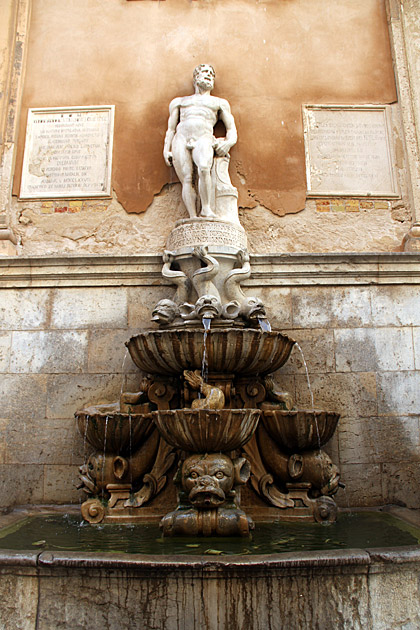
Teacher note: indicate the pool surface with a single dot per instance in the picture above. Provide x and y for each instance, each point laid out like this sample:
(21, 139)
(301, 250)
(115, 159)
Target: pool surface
(68, 533)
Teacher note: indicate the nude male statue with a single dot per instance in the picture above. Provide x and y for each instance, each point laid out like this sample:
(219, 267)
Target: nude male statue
(190, 141)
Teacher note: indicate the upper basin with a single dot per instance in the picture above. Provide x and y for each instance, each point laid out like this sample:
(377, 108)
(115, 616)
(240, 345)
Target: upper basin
(207, 430)
(237, 351)
(117, 433)
(300, 430)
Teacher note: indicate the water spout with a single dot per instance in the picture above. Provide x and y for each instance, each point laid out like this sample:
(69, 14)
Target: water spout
(264, 324)
(206, 323)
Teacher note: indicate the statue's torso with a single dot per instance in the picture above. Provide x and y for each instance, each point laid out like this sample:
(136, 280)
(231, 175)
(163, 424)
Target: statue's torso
(198, 114)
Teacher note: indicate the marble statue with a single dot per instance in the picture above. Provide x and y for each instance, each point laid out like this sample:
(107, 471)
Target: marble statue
(190, 145)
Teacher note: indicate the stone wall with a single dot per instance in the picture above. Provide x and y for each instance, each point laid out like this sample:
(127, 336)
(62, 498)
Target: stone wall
(64, 323)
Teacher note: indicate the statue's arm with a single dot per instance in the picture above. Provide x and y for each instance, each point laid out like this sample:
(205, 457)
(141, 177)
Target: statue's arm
(224, 145)
(173, 120)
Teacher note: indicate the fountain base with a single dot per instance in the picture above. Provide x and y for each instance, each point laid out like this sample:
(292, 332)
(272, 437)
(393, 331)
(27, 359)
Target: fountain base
(62, 582)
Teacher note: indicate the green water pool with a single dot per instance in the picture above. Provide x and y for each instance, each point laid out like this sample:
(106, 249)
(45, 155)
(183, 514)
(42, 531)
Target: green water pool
(68, 533)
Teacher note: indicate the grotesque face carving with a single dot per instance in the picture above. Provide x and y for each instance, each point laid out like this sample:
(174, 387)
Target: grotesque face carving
(164, 312)
(101, 470)
(329, 475)
(208, 479)
(317, 468)
(208, 306)
(252, 307)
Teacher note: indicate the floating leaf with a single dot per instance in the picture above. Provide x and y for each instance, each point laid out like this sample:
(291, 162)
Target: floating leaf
(39, 543)
(192, 545)
(214, 552)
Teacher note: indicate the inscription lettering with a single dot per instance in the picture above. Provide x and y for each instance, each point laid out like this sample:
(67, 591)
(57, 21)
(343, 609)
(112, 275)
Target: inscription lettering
(348, 151)
(68, 153)
(216, 233)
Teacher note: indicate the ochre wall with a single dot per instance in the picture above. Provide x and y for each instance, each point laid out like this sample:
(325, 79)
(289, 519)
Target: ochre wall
(270, 57)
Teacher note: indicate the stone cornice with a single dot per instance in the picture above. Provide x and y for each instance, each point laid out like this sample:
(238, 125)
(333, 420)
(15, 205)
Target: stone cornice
(267, 270)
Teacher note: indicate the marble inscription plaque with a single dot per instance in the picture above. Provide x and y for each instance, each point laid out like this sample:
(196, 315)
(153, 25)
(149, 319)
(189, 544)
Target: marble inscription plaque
(68, 152)
(348, 151)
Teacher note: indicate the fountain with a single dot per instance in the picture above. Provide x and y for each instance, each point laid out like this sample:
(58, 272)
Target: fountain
(208, 405)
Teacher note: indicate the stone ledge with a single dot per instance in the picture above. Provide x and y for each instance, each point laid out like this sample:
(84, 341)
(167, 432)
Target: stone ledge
(267, 270)
(356, 561)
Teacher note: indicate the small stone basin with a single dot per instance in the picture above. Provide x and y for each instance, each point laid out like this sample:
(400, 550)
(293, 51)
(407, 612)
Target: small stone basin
(207, 430)
(300, 430)
(239, 351)
(116, 433)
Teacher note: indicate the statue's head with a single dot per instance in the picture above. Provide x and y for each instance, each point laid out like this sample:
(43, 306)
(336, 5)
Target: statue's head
(204, 76)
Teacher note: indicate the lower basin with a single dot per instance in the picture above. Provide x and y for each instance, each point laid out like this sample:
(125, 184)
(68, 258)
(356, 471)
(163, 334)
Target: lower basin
(352, 575)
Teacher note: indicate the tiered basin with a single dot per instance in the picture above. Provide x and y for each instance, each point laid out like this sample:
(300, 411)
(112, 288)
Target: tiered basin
(300, 430)
(244, 351)
(207, 430)
(117, 433)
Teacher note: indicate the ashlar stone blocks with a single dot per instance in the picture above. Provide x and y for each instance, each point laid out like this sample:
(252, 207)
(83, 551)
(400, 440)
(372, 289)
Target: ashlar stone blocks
(62, 348)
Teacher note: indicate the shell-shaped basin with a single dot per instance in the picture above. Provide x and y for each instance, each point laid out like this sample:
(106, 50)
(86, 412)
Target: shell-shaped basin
(207, 430)
(239, 351)
(117, 433)
(300, 430)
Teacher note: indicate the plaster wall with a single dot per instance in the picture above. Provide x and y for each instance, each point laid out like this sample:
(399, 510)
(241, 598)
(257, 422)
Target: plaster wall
(411, 25)
(270, 58)
(357, 320)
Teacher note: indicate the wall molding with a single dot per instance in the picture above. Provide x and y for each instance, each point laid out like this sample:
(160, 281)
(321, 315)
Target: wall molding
(281, 270)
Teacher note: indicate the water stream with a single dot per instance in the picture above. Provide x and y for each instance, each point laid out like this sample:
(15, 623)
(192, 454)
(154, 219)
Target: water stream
(204, 363)
(103, 461)
(122, 371)
(130, 427)
(85, 439)
(264, 324)
(310, 392)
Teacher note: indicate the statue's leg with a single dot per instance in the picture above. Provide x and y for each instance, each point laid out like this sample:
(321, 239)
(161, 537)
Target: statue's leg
(203, 157)
(183, 165)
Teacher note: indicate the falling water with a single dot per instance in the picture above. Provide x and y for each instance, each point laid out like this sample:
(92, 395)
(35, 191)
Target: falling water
(310, 392)
(130, 447)
(122, 370)
(85, 438)
(264, 324)
(204, 363)
(84, 448)
(103, 461)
